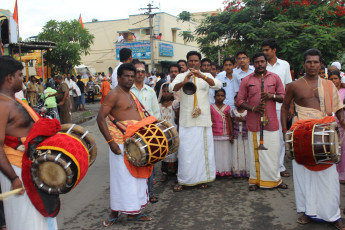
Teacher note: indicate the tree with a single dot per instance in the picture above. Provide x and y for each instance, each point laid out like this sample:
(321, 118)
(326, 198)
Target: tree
(71, 42)
(297, 25)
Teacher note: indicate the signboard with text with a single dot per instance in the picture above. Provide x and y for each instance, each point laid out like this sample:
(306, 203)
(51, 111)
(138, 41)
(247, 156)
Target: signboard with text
(140, 50)
(166, 50)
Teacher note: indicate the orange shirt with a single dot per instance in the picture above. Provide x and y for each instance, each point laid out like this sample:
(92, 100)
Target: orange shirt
(105, 88)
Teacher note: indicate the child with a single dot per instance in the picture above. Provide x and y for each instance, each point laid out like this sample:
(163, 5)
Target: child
(240, 151)
(168, 114)
(222, 134)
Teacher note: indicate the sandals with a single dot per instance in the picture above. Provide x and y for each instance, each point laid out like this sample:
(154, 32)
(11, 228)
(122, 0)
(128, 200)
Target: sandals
(283, 186)
(203, 186)
(110, 222)
(141, 217)
(178, 188)
(253, 188)
(304, 219)
(339, 225)
(284, 174)
(153, 199)
(164, 177)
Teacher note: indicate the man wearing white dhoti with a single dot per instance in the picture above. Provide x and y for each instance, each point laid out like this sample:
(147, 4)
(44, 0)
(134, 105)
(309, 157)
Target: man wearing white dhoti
(316, 192)
(196, 163)
(264, 164)
(128, 187)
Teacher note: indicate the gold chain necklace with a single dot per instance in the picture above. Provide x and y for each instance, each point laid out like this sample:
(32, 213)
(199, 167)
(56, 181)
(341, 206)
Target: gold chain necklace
(129, 98)
(8, 97)
(309, 85)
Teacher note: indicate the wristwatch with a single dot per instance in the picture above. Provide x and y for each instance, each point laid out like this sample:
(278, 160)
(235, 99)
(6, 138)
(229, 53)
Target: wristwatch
(274, 96)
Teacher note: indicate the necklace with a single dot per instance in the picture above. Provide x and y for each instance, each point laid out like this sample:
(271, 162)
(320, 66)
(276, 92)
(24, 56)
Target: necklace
(129, 98)
(309, 85)
(8, 97)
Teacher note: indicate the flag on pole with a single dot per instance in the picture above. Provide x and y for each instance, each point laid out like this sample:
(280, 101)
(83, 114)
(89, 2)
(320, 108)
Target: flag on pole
(15, 13)
(80, 21)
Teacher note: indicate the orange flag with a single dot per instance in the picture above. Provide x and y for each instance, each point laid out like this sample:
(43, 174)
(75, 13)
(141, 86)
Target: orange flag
(80, 21)
(15, 13)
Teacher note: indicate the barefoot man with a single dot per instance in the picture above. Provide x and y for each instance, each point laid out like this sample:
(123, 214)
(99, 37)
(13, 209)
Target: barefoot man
(16, 123)
(128, 194)
(310, 94)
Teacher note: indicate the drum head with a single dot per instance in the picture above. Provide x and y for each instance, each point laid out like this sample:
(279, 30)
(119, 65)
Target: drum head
(134, 151)
(334, 139)
(52, 174)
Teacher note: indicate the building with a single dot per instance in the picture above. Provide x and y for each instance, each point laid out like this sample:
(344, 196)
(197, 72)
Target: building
(135, 31)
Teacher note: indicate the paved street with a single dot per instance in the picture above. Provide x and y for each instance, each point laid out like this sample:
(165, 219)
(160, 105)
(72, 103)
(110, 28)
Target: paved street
(226, 204)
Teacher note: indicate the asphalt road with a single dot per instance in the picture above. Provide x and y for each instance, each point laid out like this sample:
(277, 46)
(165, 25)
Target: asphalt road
(225, 204)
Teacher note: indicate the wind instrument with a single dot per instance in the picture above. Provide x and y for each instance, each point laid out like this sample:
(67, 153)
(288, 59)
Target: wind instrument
(263, 120)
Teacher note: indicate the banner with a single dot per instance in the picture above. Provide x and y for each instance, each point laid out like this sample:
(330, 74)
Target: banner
(140, 50)
(166, 50)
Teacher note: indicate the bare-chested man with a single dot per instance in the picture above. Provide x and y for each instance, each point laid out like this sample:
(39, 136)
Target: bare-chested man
(128, 194)
(309, 94)
(15, 122)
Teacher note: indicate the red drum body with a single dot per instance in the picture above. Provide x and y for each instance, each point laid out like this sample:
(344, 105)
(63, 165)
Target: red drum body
(311, 144)
(63, 159)
(151, 143)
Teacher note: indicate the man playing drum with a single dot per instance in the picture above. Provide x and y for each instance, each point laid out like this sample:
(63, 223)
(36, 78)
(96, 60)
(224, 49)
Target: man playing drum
(128, 194)
(317, 192)
(16, 122)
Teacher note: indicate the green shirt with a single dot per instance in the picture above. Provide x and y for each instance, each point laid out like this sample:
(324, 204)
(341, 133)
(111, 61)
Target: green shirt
(50, 101)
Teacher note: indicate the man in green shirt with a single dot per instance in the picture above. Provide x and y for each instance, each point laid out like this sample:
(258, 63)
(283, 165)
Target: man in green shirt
(50, 101)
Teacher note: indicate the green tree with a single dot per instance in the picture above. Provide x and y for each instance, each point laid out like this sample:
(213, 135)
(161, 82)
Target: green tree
(297, 25)
(71, 41)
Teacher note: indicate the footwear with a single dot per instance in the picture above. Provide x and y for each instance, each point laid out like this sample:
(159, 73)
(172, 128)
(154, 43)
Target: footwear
(178, 188)
(203, 186)
(153, 199)
(253, 188)
(154, 181)
(284, 174)
(339, 225)
(164, 177)
(304, 219)
(108, 222)
(141, 217)
(283, 186)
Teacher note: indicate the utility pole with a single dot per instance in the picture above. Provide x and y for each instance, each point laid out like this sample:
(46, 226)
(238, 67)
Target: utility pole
(151, 15)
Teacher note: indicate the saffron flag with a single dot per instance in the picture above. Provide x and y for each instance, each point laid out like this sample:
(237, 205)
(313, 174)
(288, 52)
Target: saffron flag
(15, 13)
(80, 21)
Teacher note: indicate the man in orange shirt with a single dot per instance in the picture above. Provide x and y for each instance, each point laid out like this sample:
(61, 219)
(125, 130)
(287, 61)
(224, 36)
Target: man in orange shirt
(105, 89)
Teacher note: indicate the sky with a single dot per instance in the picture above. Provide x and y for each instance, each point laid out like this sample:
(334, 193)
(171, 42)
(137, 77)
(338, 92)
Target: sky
(33, 14)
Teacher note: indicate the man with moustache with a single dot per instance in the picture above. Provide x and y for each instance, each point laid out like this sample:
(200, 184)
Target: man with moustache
(183, 64)
(264, 164)
(244, 69)
(317, 190)
(196, 164)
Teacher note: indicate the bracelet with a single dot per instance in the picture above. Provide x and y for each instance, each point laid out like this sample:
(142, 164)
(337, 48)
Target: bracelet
(110, 141)
(274, 96)
(14, 178)
(205, 77)
(253, 108)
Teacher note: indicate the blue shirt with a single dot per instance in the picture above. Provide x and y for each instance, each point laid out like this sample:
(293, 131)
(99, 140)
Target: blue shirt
(239, 74)
(228, 86)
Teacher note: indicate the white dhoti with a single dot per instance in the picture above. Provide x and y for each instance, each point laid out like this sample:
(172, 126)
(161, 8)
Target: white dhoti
(317, 192)
(19, 211)
(128, 194)
(264, 164)
(196, 164)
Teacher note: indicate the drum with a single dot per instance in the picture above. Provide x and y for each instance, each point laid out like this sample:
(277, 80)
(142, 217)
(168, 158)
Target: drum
(63, 159)
(152, 143)
(311, 144)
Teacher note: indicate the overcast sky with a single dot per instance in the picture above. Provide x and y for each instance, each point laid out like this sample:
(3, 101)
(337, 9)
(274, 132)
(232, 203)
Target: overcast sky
(33, 14)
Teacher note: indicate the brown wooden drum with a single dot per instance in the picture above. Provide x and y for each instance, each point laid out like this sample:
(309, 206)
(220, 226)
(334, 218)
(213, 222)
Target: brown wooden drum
(152, 143)
(313, 143)
(63, 159)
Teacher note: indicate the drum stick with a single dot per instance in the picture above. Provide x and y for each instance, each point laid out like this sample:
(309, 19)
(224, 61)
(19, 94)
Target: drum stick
(6, 195)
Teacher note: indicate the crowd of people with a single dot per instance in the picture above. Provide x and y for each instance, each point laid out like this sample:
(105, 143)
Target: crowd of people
(232, 126)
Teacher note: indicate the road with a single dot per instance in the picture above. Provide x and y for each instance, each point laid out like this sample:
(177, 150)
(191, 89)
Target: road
(226, 204)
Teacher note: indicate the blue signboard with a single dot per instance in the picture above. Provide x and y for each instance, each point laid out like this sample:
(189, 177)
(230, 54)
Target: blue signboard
(166, 50)
(140, 50)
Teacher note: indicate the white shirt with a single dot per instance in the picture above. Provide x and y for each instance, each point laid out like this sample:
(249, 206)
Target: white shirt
(282, 69)
(343, 79)
(114, 76)
(120, 38)
(70, 85)
(76, 88)
(151, 81)
(187, 101)
(239, 74)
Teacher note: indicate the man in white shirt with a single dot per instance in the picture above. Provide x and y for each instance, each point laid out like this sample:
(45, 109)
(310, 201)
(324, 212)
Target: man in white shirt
(125, 57)
(196, 152)
(76, 93)
(244, 69)
(70, 82)
(282, 69)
